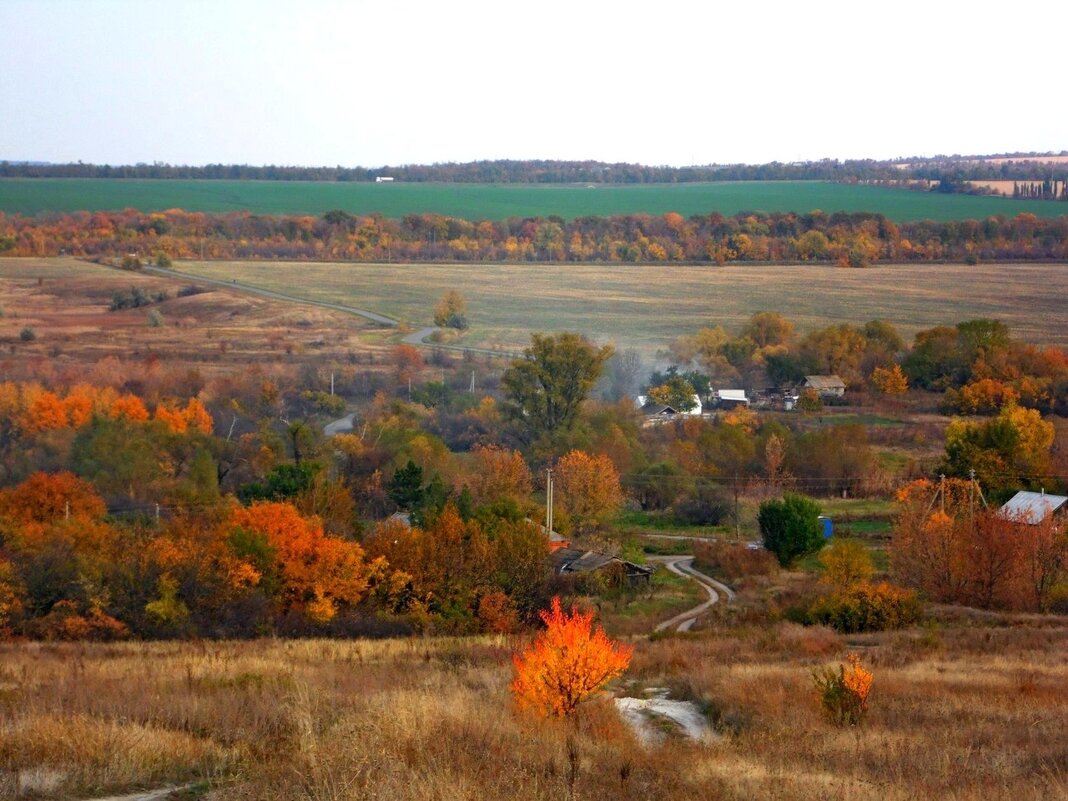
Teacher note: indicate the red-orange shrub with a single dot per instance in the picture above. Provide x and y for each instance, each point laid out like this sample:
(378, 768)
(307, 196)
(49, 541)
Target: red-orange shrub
(567, 662)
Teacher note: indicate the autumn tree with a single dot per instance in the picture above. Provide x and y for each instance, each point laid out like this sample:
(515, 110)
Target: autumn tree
(927, 540)
(567, 662)
(498, 474)
(676, 392)
(1006, 451)
(451, 311)
(313, 573)
(546, 388)
(1043, 560)
(890, 380)
(768, 328)
(845, 564)
(587, 490)
(46, 497)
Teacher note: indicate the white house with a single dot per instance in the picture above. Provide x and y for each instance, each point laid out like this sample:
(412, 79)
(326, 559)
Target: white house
(384, 179)
(732, 397)
(648, 407)
(1034, 507)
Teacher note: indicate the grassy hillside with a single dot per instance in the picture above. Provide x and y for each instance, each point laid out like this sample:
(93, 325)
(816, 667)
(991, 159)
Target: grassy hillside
(646, 307)
(964, 712)
(479, 201)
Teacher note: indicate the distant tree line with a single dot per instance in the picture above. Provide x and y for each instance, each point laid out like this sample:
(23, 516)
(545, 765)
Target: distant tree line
(848, 239)
(1044, 190)
(935, 168)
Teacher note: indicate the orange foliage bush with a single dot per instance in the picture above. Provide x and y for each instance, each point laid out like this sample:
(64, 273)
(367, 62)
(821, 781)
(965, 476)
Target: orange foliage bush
(844, 694)
(316, 571)
(957, 551)
(128, 407)
(65, 622)
(567, 662)
(194, 417)
(46, 497)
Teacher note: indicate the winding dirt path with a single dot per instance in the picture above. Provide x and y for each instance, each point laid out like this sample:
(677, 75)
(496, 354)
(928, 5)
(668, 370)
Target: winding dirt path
(683, 566)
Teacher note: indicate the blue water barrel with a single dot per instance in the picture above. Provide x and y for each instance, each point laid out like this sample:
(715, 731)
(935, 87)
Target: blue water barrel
(828, 526)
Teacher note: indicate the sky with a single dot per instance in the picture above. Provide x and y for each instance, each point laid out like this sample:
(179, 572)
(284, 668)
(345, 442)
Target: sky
(322, 82)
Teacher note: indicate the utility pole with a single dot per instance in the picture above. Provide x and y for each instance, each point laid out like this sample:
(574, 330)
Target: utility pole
(331, 384)
(737, 513)
(548, 502)
(157, 515)
(472, 382)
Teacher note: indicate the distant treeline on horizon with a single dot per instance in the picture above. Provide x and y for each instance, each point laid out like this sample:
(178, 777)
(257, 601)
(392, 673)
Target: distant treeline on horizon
(850, 240)
(955, 168)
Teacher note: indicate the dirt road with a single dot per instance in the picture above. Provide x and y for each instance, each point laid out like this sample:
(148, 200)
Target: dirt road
(683, 566)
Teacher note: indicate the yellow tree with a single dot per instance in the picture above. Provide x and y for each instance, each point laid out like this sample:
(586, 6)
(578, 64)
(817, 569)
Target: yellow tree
(567, 662)
(497, 474)
(451, 311)
(890, 380)
(846, 563)
(587, 489)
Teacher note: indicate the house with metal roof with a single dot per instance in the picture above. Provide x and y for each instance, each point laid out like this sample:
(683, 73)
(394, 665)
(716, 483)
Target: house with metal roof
(731, 398)
(829, 386)
(573, 561)
(1034, 507)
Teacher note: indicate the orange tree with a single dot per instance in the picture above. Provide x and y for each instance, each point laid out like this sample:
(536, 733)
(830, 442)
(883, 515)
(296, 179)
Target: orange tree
(566, 663)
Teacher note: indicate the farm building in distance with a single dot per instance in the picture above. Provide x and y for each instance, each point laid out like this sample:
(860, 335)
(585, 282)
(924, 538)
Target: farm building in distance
(575, 562)
(1034, 507)
(384, 179)
(660, 412)
(731, 398)
(829, 386)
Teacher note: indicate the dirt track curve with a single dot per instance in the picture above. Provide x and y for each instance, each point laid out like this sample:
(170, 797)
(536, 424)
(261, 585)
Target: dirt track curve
(683, 566)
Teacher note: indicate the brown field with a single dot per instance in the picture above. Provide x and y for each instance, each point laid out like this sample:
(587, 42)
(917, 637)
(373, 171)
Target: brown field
(648, 306)
(65, 302)
(1017, 159)
(1001, 187)
(961, 711)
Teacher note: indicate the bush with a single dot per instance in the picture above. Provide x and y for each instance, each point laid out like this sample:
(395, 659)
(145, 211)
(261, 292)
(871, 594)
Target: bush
(707, 506)
(790, 527)
(844, 694)
(163, 260)
(735, 560)
(867, 607)
(155, 319)
(27, 334)
(192, 289)
(135, 299)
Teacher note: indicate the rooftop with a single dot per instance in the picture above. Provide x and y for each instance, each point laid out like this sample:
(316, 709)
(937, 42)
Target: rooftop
(1032, 507)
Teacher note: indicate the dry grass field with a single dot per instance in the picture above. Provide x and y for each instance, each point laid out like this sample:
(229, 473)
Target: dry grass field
(646, 307)
(65, 303)
(973, 711)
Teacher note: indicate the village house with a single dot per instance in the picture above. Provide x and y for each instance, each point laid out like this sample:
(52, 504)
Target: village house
(576, 562)
(731, 398)
(661, 412)
(828, 386)
(1033, 508)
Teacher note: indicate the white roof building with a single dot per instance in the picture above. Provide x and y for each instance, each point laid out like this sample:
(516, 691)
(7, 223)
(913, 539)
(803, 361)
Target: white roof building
(732, 396)
(1034, 507)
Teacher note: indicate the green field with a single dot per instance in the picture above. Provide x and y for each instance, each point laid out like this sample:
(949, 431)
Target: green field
(647, 307)
(498, 201)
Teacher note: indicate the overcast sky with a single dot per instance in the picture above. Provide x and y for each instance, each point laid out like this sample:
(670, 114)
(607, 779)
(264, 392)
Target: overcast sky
(373, 83)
